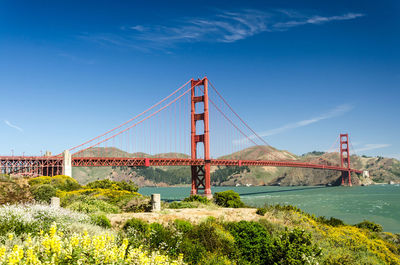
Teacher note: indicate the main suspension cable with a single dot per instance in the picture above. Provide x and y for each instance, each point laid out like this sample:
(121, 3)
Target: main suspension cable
(147, 110)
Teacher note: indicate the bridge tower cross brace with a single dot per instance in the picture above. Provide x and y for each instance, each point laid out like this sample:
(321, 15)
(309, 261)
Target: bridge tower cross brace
(200, 174)
(345, 157)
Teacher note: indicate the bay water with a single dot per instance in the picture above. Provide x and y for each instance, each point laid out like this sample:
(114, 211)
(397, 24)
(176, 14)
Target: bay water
(377, 203)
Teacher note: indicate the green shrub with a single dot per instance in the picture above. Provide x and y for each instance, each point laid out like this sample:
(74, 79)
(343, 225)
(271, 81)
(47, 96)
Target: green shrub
(261, 211)
(228, 198)
(39, 180)
(113, 185)
(193, 251)
(182, 225)
(138, 225)
(271, 228)
(60, 182)
(331, 221)
(137, 231)
(43, 193)
(285, 207)
(293, 247)
(371, 226)
(252, 241)
(100, 220)
(86, 204)
(197, 198)
(206, 238)
(116, 197)
(164, 239)
(181, 205)
(213, 236)
(65, 183)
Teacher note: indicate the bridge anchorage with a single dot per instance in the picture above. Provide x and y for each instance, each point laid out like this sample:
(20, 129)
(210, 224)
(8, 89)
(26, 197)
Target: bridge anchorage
(104, 151)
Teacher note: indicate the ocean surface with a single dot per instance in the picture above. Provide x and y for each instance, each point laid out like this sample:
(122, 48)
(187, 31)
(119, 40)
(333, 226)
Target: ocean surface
(377, 203)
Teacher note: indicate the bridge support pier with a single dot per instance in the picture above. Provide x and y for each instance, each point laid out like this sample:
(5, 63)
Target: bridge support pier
(200, 174)
(345, 157)
(346, 178)
(67, 164)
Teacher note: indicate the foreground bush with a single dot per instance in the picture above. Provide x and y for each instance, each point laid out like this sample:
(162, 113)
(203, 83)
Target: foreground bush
(252, 241)
(59, 182)
(113, 185)
(331, 221)
(182, 225)
(261, 211)
(216, 242)
(294, 247)
(100, 220)
(86, 204)
(54, 248)
(228, 198)
(43, 193)
(197, 198)
(24, 219)
(371, 226)
(115, 197)
(137, 226)
(205, 238)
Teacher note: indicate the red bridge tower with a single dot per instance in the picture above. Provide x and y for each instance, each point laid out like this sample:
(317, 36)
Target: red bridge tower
(200, 174)
(345, 157)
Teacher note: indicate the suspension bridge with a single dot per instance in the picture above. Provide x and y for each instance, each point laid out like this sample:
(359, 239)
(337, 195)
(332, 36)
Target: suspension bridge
(164, 135)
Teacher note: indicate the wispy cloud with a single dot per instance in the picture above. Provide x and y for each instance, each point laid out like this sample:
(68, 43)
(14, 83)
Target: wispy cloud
(315, 20)
(368, 147)
(9, 124)
(222, 26)
(139, 28)
(339, 110)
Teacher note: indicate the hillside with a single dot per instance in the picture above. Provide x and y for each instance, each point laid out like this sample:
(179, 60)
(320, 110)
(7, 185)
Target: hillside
(108, 222)
(160, 176)
(261, 153)
(382, 170)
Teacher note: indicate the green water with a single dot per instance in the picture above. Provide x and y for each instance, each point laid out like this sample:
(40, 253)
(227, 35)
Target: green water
(378, 203)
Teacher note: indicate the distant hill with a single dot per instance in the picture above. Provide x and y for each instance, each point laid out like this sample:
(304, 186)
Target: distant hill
(115, 152)
(382, 170)
(261, 153)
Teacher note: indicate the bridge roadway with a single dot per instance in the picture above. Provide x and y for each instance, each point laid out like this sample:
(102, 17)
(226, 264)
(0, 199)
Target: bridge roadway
(19, 163)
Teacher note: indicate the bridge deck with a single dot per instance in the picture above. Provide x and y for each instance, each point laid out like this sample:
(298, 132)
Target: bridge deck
(20, 162)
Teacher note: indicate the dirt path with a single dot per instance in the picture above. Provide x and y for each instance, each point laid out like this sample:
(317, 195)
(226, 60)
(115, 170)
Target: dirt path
(194, 215)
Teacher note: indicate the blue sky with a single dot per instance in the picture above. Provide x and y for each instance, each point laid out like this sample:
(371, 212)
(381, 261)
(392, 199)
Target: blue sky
(300, 72)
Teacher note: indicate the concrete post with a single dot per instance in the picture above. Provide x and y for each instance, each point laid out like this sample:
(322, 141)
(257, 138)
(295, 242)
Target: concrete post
(55, 202)
(67, 164)
(155, 202)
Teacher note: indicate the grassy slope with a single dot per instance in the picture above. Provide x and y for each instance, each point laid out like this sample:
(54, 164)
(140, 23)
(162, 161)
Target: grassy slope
(340, 245)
